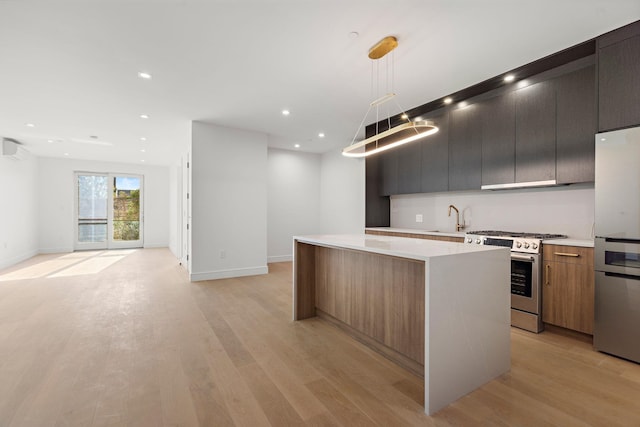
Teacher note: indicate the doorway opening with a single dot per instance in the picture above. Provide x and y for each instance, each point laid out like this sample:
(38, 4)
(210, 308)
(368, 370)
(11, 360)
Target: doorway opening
(108, 211)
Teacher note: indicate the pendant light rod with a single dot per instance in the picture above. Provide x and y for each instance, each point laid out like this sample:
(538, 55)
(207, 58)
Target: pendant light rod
(392, 137)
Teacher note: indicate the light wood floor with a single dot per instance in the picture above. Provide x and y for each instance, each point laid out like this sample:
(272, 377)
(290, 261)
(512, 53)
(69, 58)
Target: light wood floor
(122, 338)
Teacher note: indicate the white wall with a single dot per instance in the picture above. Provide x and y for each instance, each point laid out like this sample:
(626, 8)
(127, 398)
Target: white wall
(564, 210)
(175, 208)
(56, 201)
(18, 209)
(293, 200)
(342, 194)
(228, 202)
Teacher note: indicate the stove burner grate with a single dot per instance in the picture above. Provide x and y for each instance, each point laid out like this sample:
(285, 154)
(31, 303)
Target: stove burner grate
(525, 235)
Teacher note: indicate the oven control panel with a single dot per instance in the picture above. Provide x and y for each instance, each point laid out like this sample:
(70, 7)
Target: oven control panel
(516, 244)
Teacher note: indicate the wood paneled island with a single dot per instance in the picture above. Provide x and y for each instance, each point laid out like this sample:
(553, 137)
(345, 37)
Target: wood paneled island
(439, 309)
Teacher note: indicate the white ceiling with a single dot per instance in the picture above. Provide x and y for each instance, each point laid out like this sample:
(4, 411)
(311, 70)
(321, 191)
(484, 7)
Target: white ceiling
(70, 67)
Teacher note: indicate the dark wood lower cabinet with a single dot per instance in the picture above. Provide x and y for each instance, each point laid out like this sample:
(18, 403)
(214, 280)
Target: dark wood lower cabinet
(416, 236)
(568, 287)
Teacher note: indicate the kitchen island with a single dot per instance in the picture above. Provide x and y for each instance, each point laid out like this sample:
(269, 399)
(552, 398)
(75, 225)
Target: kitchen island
(439, 309)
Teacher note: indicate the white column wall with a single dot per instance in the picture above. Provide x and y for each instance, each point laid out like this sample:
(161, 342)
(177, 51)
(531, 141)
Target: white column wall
(294, 200)
(56, 201)
(175, 217)
(228, 202)
(342, 194)
(18, 209)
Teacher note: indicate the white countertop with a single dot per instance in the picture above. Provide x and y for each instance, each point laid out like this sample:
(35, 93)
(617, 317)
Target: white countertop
(421, 249)
(414, 231)
(585, 243)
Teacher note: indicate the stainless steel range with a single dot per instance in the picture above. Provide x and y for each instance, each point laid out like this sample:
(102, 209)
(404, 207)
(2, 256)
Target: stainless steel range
(526, 272)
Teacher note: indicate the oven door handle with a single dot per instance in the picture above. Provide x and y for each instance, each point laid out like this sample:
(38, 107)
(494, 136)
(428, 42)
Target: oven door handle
(523, 258)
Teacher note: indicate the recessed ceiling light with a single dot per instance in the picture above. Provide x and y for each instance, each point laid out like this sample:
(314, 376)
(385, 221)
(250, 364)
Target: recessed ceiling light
(321, 135)
(144, 116)
(143, 151)
(297, 145)
(603, 139)
(353, 35)
(286, 112)
(509, 78)
(143, 138)
(50, 141)
(142, 160)
(30, 125)
(93, 136)
(144, 75)
(66, 154)
(448, 100)
(404, 117)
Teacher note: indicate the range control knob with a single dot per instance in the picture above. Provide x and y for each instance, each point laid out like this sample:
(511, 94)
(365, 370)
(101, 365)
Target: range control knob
(518, 244)
(534, 246)
(469, 240)
(478, 241)
(526, 245)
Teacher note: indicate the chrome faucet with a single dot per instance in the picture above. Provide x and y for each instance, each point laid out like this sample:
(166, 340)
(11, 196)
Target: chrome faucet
(458, 225)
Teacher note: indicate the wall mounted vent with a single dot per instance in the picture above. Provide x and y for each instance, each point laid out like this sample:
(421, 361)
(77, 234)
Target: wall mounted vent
(13, 149)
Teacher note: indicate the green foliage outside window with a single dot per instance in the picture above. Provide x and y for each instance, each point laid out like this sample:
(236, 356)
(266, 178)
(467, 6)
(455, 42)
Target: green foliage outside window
(126, 215)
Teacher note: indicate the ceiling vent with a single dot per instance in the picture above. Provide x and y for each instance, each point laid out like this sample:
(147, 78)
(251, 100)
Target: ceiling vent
(13, 149)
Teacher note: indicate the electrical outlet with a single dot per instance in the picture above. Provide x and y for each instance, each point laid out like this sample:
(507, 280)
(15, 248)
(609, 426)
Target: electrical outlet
(418, 217)
(223, 254)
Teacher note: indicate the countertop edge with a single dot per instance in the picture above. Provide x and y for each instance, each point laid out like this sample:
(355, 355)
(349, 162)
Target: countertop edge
(415, 231)
(584, 243)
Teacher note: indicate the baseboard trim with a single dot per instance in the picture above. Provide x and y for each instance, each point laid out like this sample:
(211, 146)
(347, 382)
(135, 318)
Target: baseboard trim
(227, 274)
(55, 250)
(154, 245)
(16, 259)
(280, 258)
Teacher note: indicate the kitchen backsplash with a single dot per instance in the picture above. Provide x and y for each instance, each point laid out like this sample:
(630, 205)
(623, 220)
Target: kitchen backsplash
(565, 210)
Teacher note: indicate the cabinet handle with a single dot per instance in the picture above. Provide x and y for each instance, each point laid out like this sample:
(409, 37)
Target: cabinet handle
(566, 254)
(546, 274)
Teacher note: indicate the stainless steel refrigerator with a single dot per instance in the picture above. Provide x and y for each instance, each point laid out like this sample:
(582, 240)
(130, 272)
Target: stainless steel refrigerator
(617, 244)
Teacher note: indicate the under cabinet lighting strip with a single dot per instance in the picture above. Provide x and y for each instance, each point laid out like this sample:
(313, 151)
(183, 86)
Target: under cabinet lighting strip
(530, 184)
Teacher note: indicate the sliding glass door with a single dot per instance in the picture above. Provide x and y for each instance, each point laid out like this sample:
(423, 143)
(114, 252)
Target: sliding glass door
(108, 211)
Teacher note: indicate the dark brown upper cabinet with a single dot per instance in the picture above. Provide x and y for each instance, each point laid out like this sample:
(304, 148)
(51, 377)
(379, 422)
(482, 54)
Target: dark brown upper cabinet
(536, 133)
(435, 156)
(388, 172)
(409, 167)
(499, 140)
(465, 148)
(576, 126)
(619, 78)
(377, 212)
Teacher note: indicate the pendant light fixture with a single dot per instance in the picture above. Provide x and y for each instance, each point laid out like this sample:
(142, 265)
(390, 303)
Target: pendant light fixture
(404, 133)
